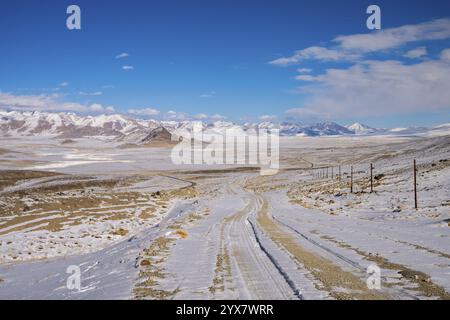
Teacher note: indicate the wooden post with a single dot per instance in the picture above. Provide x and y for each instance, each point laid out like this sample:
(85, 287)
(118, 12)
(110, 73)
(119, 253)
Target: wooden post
(415, 185)
(351, 179)
(371, 178)
(327, 173)
(332, 173)
(339, 173)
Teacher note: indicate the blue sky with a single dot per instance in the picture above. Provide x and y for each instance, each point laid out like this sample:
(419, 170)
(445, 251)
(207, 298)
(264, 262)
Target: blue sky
(224, 59)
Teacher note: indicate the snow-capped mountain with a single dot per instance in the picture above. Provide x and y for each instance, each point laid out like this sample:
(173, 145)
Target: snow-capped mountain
(319, 129)
(443, 129)
(360, 129)
(70, 125)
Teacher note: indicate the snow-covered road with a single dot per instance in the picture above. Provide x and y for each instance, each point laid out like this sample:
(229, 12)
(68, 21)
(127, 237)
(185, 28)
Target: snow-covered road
(246, 244)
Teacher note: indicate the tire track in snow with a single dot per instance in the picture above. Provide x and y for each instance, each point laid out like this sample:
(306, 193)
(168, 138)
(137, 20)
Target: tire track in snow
(339, 283)
(354, 264)
(260, 274)
(285, 275)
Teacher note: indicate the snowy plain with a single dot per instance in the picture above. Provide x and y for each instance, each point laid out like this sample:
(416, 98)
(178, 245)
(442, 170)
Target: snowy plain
(252, 237)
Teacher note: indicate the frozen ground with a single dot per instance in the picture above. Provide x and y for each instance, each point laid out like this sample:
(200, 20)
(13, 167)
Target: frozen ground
(227, 234)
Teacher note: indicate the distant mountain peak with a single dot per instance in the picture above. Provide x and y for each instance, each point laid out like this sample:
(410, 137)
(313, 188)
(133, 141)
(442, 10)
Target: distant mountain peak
(359, 128)
(159, 134)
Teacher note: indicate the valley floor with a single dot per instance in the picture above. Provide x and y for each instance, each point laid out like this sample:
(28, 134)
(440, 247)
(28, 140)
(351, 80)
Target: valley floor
(230, 233)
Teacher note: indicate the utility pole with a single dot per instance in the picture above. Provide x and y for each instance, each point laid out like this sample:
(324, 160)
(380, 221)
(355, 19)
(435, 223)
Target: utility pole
(415, 185)
(371, 178)
(351, 179)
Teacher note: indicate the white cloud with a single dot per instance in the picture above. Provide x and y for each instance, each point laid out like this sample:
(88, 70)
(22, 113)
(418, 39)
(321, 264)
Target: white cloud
(201, 116)
(96, 107)
(353, 47)
(445, 55)
(52, 103)
(204, 116)
(38, 102)
(208, 95)
(45, 103)
(96, 93)
(144, 112)
(126, 68)
(217, 117)
(63, 84)
(378, 88)
(110, 109)
(416, 53)
(375, 87)
(305, 77)
(394, 37)
(268, 117)
(122, 55)
(178, 116)
(316, 53)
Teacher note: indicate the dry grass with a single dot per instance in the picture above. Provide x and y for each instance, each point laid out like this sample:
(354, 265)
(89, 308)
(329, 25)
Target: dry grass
(120, 232)
(151, 271)
(68, 141)
(153, 144)
(11, 177)
(181, 233)
(73, 209)
(222, 272)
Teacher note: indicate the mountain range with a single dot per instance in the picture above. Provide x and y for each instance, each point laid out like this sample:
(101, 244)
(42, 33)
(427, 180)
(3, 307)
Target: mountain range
(70, 125)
